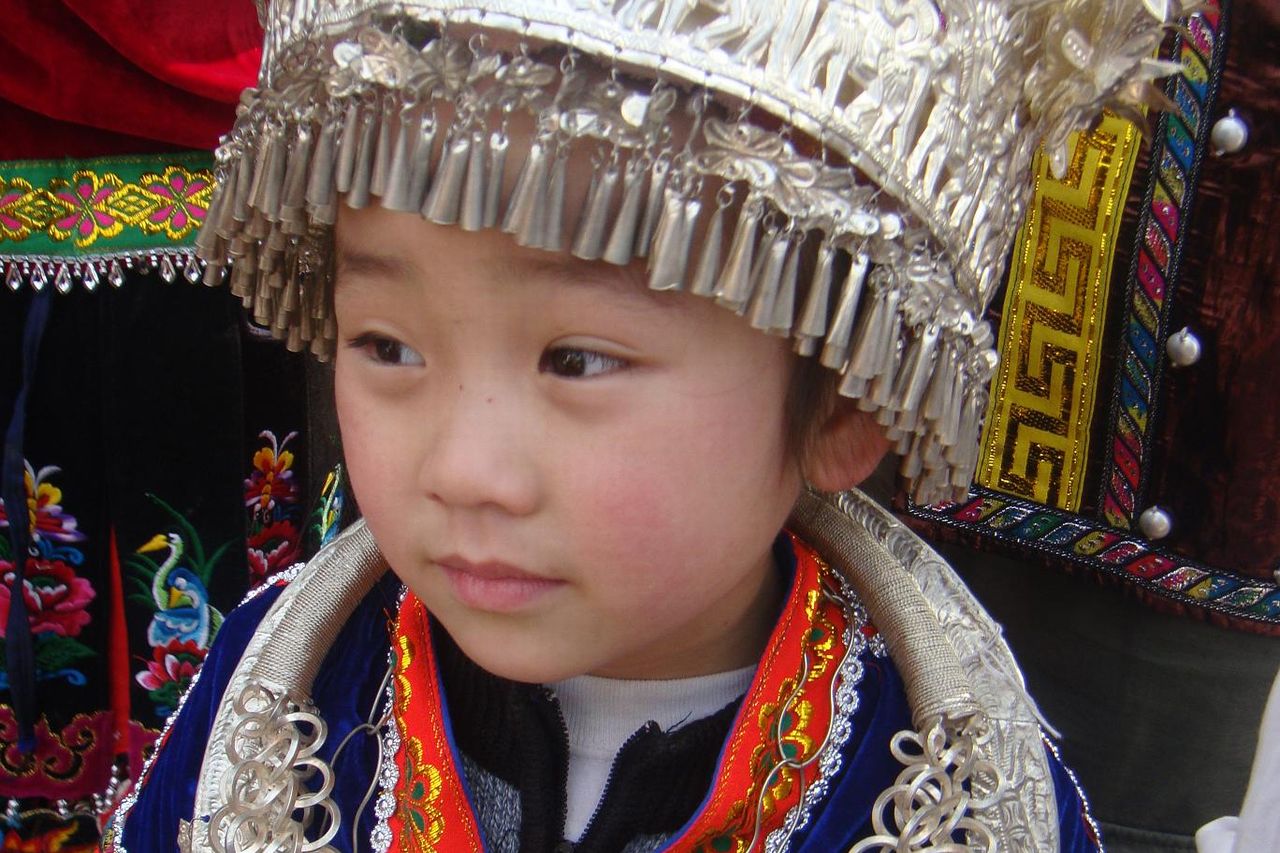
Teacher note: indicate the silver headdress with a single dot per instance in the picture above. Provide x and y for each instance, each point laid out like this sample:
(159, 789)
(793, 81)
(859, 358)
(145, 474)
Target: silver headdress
(856, 168)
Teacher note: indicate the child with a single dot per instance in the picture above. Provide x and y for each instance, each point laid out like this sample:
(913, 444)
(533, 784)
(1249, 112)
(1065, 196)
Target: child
(620, 615)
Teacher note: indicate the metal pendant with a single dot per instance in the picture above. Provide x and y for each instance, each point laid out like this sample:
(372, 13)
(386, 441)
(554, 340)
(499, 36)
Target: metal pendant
(244, 181)
(293, 198)
(348, 142)
(388, 127)
(441, 206)
(666, 272)
(622, 238)
(835, 352)
(420, 164)
(358, 193)
(733, 290)
(944, 376)
(653, 205)
(813, 318)
(768, 277)
(320, 181)
(266, 164)
(704, 275)
(914, 380)
(784, 305)
(474, 189)
(589, 236)
(529, 189)
(553, 221)
(397, 190)
(499, 144)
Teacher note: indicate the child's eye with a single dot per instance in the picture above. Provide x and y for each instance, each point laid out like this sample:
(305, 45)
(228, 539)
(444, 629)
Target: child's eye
(387, 350)
(575, 363)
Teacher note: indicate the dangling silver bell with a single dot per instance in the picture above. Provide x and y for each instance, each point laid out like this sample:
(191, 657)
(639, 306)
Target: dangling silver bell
(1183, 347)
(1155, 523)
(1230, 134)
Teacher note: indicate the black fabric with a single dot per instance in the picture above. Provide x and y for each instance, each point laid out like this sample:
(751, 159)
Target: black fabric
(145, 414)
(1159, 715)
(517, 733)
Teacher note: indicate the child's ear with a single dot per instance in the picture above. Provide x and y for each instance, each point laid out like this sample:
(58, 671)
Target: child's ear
(846, 448)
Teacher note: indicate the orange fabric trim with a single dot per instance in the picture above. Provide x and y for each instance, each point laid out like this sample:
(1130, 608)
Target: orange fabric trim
(784, 718)
(432, 813)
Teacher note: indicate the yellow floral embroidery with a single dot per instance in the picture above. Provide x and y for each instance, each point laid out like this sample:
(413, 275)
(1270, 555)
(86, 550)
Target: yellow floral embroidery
(98, 205)
(177, 201)
(15, 223)
(417, 797)
(822, 635)
(784, 725)
(89, 211)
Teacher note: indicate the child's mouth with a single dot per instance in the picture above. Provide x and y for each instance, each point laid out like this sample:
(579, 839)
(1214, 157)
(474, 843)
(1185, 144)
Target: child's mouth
(493, 586)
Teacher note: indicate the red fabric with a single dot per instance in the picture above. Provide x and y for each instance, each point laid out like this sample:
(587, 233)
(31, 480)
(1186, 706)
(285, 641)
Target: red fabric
(1217, 470)
(88, 77)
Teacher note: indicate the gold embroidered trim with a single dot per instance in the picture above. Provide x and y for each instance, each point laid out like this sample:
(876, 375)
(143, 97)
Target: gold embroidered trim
(1036, 440)
(72, 208)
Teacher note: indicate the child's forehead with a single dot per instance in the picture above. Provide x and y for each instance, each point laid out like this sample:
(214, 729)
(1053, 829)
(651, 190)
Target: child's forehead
(369, 255)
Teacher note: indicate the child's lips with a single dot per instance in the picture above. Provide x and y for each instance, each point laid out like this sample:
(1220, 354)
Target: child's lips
(494, 586)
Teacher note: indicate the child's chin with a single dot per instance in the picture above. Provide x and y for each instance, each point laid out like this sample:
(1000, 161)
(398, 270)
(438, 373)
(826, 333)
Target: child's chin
(528, 666)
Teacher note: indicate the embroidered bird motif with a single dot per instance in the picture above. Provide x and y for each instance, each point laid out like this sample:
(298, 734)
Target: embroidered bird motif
(182, 604)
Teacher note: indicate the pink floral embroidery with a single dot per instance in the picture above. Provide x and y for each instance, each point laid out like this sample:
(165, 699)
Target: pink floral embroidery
(90, 217)
(56, 597)
(172, 664)
(183, 199)
(276, 546)
(11, 226)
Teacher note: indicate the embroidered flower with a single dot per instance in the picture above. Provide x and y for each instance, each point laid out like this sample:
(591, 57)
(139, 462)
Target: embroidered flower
(274, 547)
(45, 516)
(169, 672)
(422, 786)
(56, 596)
(13, 225)
(88, 195)
(183, 199)
(271, 484)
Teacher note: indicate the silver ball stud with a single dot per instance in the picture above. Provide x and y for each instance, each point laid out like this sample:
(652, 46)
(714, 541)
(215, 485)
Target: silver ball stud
(1230, 134)
(1183, 347)
(1155, 523)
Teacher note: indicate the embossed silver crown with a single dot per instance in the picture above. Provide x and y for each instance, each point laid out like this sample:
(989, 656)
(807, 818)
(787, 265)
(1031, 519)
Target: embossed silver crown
(856, 168)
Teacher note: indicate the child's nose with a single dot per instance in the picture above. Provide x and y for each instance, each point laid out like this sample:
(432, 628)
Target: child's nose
(478, 454)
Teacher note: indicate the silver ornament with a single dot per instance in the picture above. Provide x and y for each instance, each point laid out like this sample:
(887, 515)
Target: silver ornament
(1155, 523)
(1230, 134)
(1183, 347)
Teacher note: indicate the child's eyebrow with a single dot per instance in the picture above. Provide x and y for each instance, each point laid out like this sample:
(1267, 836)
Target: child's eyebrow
(354, 262)
(627, 281)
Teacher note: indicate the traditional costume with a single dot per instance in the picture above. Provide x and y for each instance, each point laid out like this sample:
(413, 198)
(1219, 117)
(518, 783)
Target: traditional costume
(430, 752)
(874, 149)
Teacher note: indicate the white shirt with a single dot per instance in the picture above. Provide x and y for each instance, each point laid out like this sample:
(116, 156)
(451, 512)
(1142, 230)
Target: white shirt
(602, 713)
(1257, 830)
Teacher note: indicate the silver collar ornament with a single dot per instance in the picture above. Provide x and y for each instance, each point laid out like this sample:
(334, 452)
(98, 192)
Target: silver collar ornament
(856, 169)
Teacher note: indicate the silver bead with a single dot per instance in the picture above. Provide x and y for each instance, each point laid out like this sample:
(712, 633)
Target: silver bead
(1230, 134)
(1183, 347)
(1155, 523)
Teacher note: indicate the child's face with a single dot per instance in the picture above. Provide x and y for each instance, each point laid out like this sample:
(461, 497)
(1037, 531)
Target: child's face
(575, 474)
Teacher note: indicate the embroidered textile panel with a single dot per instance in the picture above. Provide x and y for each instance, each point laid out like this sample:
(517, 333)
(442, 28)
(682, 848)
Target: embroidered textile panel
(1036, 440)
(1195, 441)
(65, 209)
(166, 473)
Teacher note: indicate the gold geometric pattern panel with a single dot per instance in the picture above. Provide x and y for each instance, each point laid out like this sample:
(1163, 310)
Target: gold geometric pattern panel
(1043, 395)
